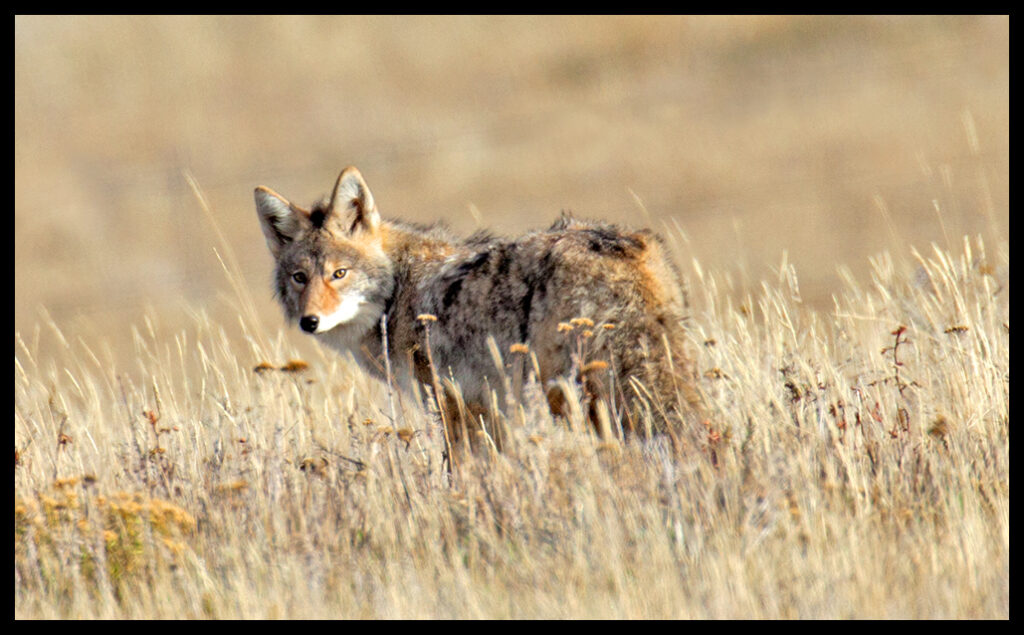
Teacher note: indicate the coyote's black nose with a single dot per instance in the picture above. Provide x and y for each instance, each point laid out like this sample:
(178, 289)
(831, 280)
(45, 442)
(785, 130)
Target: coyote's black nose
(309, 323)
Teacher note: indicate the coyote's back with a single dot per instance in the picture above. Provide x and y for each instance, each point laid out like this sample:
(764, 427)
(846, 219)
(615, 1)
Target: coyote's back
(597, 307)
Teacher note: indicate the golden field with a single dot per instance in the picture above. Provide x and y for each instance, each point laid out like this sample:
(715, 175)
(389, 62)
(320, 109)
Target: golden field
(835, 191)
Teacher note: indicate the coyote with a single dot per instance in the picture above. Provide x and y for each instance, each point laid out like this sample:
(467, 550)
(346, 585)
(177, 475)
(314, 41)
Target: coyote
(589, 305)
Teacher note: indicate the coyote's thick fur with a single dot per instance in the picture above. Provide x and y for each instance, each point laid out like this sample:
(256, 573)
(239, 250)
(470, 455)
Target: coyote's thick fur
(341, 267)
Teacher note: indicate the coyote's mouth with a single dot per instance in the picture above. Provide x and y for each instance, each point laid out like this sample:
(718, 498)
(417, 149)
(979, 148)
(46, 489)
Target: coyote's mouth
(347, 311)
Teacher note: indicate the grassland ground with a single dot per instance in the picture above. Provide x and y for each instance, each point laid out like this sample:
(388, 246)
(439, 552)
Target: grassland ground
(856, 464)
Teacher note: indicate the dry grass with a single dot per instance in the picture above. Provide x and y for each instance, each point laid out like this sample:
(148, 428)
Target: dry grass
(856, 466)
(179, 455)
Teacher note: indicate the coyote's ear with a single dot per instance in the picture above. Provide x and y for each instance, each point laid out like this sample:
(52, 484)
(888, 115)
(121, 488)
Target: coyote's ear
(352, 203)
(281, 221)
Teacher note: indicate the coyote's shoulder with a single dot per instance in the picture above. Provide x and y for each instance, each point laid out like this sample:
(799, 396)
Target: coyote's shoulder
(341, 268)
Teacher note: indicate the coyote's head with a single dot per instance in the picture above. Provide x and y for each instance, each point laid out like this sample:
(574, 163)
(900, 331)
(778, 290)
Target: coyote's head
(332, 272)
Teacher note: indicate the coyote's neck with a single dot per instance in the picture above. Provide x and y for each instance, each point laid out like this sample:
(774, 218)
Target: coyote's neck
(412, 247)
(415, 254)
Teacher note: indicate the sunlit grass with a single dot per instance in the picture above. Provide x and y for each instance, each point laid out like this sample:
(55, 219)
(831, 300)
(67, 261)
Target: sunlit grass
(854, 464)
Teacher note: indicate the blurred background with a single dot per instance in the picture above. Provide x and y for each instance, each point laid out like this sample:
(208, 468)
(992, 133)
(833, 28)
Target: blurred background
(830, 138)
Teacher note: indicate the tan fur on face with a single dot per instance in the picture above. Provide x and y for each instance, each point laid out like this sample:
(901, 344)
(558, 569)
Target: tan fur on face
(320, 296)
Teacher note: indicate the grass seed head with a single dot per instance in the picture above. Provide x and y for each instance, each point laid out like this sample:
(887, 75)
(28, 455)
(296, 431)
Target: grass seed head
(295, 366)
(940, 427)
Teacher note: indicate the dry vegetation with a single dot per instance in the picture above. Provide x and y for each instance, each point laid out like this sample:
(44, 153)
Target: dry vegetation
(180, 454)
(856, 466)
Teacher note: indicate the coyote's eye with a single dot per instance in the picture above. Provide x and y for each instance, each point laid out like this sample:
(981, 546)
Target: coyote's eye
(340, 273)
(299, 277)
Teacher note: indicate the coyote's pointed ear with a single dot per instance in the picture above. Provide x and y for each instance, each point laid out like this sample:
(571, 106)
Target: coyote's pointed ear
(352, 203)
(281, 221)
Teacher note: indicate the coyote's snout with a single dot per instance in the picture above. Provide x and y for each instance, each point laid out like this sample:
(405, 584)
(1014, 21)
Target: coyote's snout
(593, 303)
